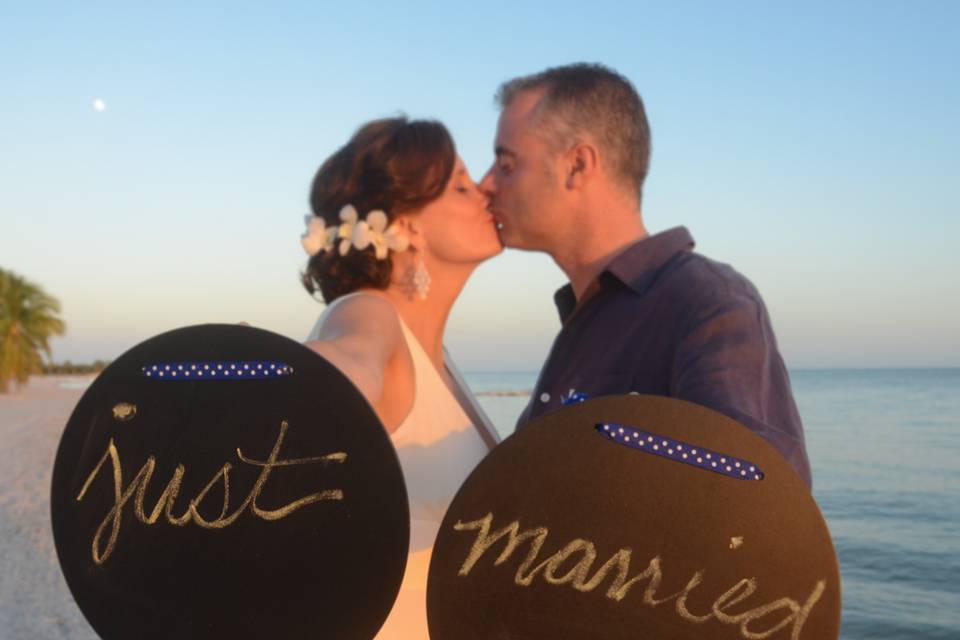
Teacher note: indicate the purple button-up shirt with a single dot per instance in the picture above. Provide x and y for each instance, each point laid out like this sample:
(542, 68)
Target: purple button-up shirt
(667, 321)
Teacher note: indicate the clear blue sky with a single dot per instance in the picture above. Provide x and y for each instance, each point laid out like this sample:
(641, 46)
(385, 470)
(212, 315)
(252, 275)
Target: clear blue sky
(814, 146)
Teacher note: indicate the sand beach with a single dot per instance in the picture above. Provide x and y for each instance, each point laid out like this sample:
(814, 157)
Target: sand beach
(35, 602)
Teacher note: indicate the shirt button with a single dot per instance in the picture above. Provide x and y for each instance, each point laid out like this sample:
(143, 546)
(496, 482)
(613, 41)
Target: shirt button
(544, 397)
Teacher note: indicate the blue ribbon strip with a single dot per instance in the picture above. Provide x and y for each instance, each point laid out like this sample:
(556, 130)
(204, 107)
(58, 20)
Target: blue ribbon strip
(217, 370)
(680, 451)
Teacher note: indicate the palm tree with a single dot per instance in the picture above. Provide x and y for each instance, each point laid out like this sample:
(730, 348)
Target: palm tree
(28, 318)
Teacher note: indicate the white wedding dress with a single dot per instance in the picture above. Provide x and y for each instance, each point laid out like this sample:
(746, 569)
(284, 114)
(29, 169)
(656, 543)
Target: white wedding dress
(438, 446)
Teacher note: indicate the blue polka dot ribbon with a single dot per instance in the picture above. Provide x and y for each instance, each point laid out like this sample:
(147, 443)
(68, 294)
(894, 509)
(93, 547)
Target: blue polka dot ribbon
(680, 451)
(217, 370)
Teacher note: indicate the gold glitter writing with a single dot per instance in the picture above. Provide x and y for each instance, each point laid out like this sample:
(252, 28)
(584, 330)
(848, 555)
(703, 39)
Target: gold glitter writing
(110, 526)
(124, 411)
(578, 577)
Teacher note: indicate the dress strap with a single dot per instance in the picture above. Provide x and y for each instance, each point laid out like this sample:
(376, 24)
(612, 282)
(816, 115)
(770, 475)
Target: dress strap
(481, 421)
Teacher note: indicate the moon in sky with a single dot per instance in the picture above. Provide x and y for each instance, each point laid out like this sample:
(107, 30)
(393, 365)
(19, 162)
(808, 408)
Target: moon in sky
(99, 105)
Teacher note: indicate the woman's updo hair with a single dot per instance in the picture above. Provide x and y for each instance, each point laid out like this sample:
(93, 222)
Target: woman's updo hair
(395, 165)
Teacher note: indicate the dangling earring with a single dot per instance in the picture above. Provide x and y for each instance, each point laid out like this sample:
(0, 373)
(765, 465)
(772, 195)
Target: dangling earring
(415, 281)
(421, 279)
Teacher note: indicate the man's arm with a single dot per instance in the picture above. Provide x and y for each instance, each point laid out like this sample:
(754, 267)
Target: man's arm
(728, 361)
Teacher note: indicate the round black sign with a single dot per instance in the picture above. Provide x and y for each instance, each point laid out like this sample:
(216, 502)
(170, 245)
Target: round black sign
(634, 517)
(223, 481)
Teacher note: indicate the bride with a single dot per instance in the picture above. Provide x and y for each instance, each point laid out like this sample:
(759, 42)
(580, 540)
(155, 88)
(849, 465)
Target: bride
(397, 228)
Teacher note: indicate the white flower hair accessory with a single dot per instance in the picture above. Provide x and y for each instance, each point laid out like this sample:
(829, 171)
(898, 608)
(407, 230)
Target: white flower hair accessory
(317, 237)
(353, 232)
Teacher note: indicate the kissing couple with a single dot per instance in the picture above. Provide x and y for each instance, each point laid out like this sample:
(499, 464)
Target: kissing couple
(398, 227)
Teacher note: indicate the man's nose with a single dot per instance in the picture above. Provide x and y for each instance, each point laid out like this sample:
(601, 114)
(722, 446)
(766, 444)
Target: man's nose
(487, 185)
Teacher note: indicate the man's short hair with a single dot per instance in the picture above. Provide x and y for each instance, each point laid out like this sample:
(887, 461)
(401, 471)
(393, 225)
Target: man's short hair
(593, 99)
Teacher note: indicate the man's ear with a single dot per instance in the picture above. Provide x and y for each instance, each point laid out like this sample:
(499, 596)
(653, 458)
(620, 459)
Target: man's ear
(583, 162)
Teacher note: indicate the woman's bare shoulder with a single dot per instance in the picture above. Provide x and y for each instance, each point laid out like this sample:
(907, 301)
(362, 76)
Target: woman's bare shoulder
(367, 314)
(361, 335)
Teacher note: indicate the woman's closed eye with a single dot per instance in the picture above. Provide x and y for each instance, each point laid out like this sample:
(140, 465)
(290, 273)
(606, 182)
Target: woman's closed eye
(466, 186)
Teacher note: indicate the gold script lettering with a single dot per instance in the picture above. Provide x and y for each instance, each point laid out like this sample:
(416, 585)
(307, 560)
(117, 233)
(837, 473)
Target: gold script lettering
(620, 585)
(164, 505)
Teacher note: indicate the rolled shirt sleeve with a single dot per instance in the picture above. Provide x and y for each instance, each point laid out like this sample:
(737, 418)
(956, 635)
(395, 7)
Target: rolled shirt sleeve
(728, 361)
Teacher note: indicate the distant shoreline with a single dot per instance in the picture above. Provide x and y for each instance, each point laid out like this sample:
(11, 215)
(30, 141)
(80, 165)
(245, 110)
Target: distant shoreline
(83, 380)
(94, 370)
(504, 394)
(790, 369)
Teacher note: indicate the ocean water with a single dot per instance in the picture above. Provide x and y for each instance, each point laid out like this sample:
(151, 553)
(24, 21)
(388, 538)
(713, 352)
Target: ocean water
(885, 450)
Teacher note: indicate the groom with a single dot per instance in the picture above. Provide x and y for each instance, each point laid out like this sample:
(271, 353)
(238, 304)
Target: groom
(642, 313)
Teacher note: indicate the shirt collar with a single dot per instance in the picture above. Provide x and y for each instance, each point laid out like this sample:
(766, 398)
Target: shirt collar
(636, 266)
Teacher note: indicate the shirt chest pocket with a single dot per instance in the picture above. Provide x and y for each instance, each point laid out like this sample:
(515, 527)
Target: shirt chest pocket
(587, 387)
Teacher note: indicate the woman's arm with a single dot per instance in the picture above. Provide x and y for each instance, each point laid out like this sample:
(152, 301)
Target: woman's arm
(360, 337)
